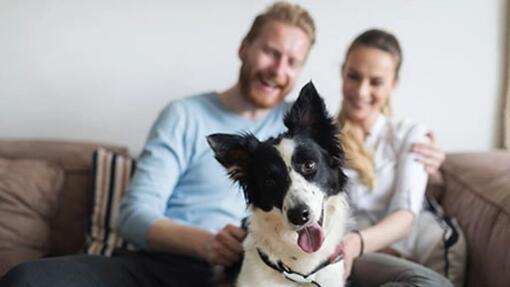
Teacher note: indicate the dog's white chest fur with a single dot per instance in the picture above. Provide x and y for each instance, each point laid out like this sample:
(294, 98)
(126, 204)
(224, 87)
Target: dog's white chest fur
(267, 233)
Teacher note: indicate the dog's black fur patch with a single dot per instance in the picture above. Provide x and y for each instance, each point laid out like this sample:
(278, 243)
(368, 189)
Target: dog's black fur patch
(259, 168)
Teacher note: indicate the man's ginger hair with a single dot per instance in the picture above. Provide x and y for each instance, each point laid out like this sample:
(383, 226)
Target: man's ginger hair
(291, 14)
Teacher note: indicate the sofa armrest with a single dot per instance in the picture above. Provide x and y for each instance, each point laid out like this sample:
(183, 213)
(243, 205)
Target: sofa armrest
(477, 192)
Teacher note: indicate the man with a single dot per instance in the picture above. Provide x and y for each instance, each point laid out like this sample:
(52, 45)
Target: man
(181, 210)
(180, 200)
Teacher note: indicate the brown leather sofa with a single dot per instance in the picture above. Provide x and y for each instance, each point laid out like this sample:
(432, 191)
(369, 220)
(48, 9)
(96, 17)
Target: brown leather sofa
(68, 221)
(476, 190)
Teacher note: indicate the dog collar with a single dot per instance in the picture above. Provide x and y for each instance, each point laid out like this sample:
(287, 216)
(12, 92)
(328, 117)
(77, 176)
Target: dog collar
(297, 277)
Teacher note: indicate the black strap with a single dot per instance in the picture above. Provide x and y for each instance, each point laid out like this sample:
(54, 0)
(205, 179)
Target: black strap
(294, 276)
(446, 223)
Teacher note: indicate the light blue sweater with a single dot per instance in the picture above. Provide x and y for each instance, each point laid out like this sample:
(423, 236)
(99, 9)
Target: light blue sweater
(177, 176)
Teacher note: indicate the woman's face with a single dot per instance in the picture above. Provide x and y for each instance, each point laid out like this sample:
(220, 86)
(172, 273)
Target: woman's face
(369, 77)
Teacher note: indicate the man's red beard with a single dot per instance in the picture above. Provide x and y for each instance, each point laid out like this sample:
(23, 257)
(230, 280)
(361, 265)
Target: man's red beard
(245, 81)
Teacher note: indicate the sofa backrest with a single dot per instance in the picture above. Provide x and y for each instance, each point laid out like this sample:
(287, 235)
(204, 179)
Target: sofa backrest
(68, 228)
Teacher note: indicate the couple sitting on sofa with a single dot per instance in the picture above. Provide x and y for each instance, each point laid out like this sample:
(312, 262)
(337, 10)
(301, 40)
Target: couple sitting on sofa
(183, 212)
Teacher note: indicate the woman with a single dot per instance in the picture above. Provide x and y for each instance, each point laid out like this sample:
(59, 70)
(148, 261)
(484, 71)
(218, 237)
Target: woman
(388, 172)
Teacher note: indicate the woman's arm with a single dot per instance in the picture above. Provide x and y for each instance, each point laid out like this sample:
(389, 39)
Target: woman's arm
(432, 156)
(410, 180)
(389, 230)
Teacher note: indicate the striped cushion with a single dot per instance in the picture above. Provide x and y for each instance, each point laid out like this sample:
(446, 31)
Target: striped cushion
(111, 174)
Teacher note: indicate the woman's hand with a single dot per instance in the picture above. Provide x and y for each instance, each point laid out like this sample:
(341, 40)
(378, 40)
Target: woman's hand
(352, 247)
(225, 247)
(430, 154)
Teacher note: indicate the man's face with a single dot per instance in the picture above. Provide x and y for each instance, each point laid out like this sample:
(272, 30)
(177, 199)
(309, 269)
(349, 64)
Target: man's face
(271, 63)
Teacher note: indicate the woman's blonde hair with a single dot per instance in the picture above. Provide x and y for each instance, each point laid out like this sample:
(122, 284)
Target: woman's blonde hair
(358, 157)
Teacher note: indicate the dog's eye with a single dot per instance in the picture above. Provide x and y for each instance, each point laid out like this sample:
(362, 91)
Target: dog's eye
(308, 167)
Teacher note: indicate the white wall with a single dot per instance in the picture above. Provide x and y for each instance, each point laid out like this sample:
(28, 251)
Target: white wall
(101, 70)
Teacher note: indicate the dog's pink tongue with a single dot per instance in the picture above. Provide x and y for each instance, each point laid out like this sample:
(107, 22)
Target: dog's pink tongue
(310, 238)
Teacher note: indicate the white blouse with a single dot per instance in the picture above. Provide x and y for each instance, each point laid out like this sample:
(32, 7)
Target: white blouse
(400, 178)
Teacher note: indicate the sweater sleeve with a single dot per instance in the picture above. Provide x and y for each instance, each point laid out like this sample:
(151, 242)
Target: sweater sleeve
(161, 163)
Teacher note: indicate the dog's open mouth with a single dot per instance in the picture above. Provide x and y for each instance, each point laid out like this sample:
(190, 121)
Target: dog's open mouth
(310, 237)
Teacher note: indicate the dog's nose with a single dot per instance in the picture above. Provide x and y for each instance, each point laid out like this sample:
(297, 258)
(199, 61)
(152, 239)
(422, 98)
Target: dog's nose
(299, 214)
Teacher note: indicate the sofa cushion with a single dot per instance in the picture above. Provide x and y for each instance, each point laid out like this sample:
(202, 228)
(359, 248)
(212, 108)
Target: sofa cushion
(29, 197)
(440, 243)
(75, 158)
(111, 174)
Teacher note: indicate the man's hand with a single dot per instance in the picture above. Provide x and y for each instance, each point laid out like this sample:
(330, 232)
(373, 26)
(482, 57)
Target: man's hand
(430, 154)
(352, 246)
(225, 247)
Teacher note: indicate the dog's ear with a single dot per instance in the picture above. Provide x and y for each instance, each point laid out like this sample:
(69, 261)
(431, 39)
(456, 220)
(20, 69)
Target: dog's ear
(308, 112)
(309, 115)
(233, 151)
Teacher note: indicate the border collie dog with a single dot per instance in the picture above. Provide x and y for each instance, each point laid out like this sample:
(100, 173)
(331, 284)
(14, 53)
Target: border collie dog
(294, 186)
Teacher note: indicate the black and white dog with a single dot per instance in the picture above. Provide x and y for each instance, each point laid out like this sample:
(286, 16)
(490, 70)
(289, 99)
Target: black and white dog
(294, 187)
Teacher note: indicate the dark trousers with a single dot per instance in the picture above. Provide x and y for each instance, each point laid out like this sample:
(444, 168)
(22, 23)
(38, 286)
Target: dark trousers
(124, 269)
(382, 270)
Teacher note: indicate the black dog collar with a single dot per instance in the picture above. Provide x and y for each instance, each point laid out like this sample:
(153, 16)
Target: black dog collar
(297, 277)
